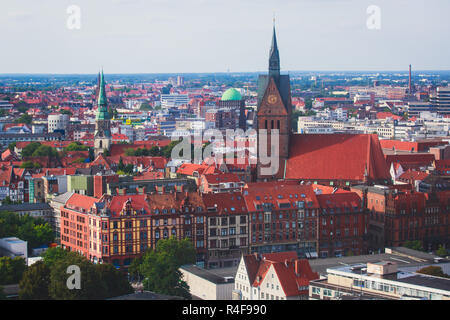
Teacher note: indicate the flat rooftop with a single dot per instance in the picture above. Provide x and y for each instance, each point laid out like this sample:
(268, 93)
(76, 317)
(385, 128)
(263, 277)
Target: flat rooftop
(217, 276)
(401, 276)
(409, 259)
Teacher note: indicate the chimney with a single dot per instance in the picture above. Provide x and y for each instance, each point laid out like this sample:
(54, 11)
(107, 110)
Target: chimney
(410, 84)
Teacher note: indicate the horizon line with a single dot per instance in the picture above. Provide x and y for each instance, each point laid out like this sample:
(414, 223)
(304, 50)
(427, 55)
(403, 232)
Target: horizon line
(226, 72)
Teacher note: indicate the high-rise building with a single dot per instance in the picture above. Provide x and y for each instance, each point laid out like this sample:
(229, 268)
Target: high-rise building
(441, 101)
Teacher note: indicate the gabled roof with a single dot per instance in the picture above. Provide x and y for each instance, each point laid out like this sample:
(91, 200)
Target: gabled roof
(336, 157)
(117, 203)
(81, 201)
(292, 273)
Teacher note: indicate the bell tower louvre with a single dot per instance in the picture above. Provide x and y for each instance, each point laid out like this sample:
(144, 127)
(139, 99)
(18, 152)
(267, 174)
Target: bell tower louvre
(274, 111)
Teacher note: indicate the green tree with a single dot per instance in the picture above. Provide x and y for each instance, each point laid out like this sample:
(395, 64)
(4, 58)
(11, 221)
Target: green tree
(2, 294)
(35, 234)
(91, 154)
(30, 165)
(167, 150)
(76, 146)
(11, 270)
(65, 112)
(433, 271)
(35, 282)
(45, 151)
(98, 281)
(52, 255)
(145, 107)
(441, 251)
(25, 118)
(22, 106)
(155, 151)
(92, 288)
(160, 267)
(11, 146)
(7, 200)
(30, 148)
(106, 152)
(116, 281)
(415, 245)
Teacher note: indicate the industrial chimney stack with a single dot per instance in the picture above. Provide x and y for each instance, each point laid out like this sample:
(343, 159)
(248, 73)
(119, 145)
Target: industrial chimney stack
(410, 83)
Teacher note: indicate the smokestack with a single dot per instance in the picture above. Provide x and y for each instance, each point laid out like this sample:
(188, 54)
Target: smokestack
(410, 83)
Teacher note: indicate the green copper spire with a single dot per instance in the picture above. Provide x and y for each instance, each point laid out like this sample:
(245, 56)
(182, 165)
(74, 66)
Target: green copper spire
(102, 112)
(102, 92)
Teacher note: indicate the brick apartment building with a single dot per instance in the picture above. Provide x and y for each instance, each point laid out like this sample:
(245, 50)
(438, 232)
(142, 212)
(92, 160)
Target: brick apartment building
(400, 215)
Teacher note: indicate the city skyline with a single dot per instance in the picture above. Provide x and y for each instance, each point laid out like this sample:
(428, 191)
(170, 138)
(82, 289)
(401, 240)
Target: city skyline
(137, 37)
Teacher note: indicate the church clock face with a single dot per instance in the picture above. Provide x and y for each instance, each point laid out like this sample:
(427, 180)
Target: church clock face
(272, 99)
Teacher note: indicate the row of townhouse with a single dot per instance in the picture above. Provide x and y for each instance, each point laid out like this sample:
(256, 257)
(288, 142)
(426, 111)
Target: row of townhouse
(263, 218)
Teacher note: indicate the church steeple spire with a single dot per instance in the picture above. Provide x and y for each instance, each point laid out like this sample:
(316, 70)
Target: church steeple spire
(102, 91)
(274, 57)
(102, 136)
(102, 102)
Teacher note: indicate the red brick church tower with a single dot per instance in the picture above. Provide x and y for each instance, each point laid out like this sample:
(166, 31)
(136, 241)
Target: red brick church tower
(274, 111)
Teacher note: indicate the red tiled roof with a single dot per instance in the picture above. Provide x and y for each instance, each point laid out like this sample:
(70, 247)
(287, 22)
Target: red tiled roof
(292, 273)
(340, 200)
(272, 192)
(81, 201)
(5, 176)
(336, 157)
(217, 178)
(414, 175)
(150, 175)
(225, 203)
(411, 158)
(384, 115)
(138, 202)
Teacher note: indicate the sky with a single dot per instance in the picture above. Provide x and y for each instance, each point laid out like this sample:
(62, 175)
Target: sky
(184, 36)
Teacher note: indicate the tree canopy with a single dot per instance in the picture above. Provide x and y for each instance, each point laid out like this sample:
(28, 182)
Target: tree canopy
(11, 270)
(76, 146)
(35, 282)
(35, 231)
(160, 267)
(433, 271)
(25, 118)
(98, 281)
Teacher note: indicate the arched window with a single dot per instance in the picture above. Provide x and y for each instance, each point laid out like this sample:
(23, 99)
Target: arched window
(265, 124)
(271, 124)
(101, 144)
